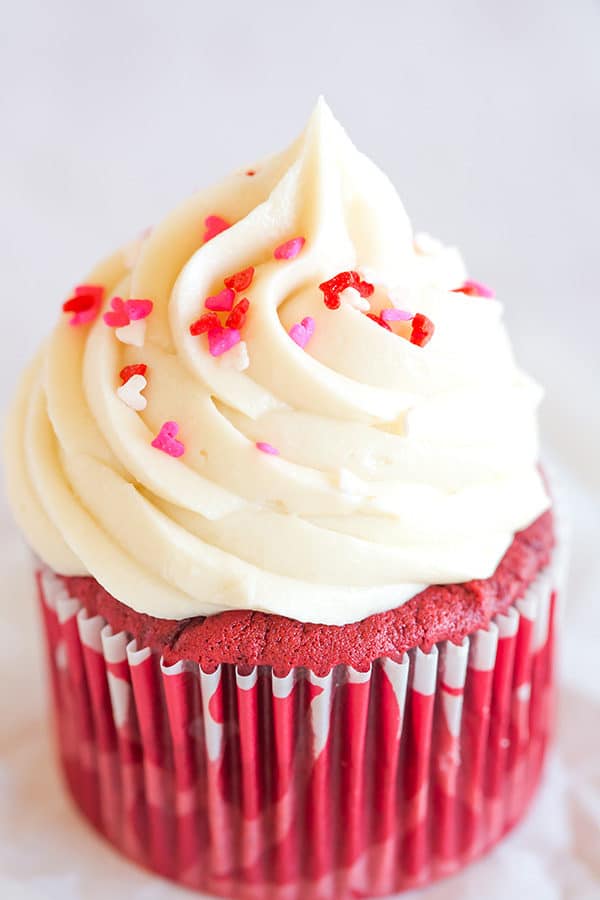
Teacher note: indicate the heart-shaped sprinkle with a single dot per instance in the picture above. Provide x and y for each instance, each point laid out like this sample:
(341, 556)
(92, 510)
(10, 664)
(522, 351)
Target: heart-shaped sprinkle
(131, 392)
(334, 287)
(207, 322)
(475, 289)
(117, 317)
(138, 309)
(267, 448)
(422, 330)
(289, 249)
(220, 340)
(166, 440)
(396, 315)
(214, 225)
(134, 333)
(302, 332)
(84, 304)
(137, 369)
(241, 281)
(237, 316)
(236, 358)
(221, 301)
(352, 297)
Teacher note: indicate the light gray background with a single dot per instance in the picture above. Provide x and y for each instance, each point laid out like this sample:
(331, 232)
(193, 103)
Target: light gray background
(486, 115)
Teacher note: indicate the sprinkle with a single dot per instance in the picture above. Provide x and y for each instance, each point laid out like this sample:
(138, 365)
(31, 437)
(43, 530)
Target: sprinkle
(396, 315)
(205, 323)
(84, 304)
(474, 289)
(214, 225)
(124, 312)
(134, 333)
(236, 358)
(379, 321)
(223, 301)
(138, 309)
(251, 172)
(166, 441)
(137, 369)
(220, 340)
(117, 316)
(267, 448)
(422, 330)
(241, 281)
(352, 297)
(289, 249)
(334, 287)
(237, 316)
(131, 392)
(302, 332)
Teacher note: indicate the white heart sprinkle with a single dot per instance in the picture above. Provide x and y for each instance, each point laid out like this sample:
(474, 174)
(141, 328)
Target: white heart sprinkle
(353, 298)
(236, 358)
(131, 392)
(133, 334)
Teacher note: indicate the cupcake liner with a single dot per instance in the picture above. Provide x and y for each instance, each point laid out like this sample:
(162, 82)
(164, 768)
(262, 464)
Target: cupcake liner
(245, 784)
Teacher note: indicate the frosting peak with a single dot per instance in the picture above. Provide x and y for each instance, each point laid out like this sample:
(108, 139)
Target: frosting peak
(311, 420)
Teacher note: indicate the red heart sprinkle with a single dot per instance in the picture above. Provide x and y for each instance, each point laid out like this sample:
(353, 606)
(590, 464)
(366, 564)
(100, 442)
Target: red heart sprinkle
(241, 281)
(422, 330)
(334, 287)
(214, 225)
(129, 371)
(237, 316)
(207, 322)
(84, 304)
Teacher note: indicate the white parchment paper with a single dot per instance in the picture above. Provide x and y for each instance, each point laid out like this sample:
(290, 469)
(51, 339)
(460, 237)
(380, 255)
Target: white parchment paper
(48, 853)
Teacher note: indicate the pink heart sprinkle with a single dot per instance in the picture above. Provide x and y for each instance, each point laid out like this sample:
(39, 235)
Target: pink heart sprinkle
(267, 448)
(220, 340)
(117, 317)
(477, 288)
(214, 225)
(302, 332)
(289, 249)
(166, 440)
(138, 309)
(221, 301)
(396, 315)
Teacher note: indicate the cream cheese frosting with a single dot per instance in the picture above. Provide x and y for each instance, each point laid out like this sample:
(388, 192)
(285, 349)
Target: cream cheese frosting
(390, 466)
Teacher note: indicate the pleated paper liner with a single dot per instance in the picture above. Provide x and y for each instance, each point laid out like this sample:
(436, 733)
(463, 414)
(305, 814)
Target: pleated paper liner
(248, 785)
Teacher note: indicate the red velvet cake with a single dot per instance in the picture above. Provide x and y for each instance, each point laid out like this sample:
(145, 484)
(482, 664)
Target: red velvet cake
(247, 639)
(294, 552)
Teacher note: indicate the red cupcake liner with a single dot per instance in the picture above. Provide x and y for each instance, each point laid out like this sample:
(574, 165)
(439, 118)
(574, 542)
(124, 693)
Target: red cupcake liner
(247, 785)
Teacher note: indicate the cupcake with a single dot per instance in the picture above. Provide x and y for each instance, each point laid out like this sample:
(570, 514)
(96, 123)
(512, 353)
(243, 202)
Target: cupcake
(294, 552)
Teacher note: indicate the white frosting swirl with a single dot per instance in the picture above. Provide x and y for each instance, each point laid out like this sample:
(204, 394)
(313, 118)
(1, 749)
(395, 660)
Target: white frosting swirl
(399, 465)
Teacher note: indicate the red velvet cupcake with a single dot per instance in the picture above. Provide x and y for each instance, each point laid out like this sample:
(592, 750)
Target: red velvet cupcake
(297, 562)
